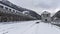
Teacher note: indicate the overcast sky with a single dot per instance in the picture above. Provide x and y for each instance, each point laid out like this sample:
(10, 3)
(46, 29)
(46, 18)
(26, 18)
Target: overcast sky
(39, 5)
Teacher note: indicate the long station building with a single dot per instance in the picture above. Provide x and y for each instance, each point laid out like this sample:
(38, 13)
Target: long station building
(11, 12)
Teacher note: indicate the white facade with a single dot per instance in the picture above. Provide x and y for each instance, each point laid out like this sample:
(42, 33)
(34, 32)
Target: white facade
(46, 16)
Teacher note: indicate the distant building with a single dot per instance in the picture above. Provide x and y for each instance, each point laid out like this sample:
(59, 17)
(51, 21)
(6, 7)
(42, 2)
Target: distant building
(45, 16)
(56, 17)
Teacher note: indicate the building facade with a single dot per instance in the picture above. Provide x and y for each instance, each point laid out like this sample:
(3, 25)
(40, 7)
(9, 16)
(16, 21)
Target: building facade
(10, 12)
(45, 16)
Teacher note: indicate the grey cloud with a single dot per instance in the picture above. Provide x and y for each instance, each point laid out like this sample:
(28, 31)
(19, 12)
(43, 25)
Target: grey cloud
(46, 4)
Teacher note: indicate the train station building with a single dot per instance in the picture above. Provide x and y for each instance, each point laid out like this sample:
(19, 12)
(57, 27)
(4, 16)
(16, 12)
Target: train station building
(11, 12)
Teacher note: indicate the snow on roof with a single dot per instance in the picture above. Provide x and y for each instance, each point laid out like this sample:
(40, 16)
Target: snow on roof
(45, 12)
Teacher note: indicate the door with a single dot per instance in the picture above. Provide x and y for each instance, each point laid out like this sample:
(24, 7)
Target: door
(45, 19)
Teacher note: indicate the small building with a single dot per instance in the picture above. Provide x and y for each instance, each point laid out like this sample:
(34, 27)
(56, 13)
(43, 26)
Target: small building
(45, 16)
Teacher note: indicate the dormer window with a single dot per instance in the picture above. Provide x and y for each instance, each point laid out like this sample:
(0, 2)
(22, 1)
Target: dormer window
(9, 9)
(47, 15)
(6, 8)
(1, 6)
(13, 10)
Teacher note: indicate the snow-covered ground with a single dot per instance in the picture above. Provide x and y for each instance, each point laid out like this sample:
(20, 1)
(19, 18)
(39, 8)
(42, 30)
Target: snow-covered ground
(29, 27)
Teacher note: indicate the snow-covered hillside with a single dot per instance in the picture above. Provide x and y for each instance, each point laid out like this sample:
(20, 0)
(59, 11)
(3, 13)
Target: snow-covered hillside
(29, 27)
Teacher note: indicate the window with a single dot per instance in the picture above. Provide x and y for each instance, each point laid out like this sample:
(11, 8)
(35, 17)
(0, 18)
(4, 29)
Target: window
(16, 11)
(13, 10)
(1, 6)
(9, 9)
(6, 8)
(47, 15)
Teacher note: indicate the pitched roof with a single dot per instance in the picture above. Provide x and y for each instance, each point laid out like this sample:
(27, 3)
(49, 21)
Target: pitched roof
(45, 12)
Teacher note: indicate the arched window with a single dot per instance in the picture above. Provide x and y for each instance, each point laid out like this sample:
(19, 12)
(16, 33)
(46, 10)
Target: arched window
(9, 9)
(13, 10)
(1, 6)
(6, 8)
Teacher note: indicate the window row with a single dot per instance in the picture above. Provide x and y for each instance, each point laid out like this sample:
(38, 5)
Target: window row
(6, 8)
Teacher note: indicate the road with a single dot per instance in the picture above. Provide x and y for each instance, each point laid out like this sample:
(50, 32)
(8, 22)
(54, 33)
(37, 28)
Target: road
(28, 27)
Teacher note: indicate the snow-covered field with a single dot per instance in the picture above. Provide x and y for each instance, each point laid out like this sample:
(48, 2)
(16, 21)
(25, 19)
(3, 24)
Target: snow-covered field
(29, 27)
